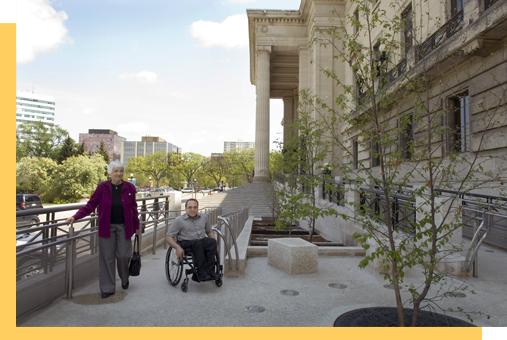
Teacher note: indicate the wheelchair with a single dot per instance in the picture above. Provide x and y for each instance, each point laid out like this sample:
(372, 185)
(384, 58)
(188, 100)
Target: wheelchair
(174, 268)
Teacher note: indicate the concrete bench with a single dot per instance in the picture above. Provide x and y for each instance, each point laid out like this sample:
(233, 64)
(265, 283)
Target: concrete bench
(293, 256)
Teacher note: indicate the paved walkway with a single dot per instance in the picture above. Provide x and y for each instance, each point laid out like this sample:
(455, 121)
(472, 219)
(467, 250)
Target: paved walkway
(156, 303)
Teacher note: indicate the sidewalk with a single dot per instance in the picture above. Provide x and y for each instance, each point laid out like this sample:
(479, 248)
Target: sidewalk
(158, 304)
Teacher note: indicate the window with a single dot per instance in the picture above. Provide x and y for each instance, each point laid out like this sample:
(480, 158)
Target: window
(406, 138)
(356, 21)
(380, 60)
(355, 154)
(375, 153)
(360, 89)
(456, 7)
(407, 30)
(459, 123)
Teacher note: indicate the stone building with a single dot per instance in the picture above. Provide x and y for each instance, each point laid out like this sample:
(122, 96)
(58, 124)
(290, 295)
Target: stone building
(111, 140)
(284, 58)
(461, 45)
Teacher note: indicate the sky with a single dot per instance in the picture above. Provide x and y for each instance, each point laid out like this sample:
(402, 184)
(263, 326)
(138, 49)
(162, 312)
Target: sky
(179, 70)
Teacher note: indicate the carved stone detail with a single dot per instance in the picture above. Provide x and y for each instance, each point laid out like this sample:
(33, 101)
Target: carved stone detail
(473, 46)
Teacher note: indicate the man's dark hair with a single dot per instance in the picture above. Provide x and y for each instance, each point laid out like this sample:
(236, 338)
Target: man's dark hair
(192, 199)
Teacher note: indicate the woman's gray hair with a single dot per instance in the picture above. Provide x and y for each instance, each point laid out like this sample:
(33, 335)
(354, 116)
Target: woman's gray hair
(115, 164)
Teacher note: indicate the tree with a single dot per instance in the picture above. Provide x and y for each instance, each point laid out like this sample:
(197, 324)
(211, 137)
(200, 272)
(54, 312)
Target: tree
(303, 159)
(77, 176)
(187, 164)
(40, 139)
(394, 152)
(34, 175)
(243, 164)
(81, 149)
(217, 167)
(103, 151)
(68, 149)
(155, 165)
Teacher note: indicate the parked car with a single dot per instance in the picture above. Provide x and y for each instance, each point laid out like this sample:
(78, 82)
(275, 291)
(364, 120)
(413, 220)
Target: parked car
(156, 192)
(28, 201)
(205, 191)
(26, 221)
(187, 189)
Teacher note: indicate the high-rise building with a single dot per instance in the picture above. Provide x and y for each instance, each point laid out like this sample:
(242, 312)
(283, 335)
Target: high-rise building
(111, 140)
(147, 146)
(33, 107)
(242, 145)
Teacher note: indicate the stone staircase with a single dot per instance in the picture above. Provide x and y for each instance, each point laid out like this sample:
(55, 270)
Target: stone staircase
(253, 196)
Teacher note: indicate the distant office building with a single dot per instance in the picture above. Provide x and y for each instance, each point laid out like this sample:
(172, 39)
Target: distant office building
(33, 107)
(242, 145)
(111, 140)
(216, 154)
(147, 146)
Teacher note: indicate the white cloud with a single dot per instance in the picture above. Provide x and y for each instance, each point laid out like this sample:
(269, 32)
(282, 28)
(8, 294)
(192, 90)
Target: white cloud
(88, 110)
(223, 61)
(228, 34)
(39, 29)
(133, 127)
(242, 1)
(143, 76)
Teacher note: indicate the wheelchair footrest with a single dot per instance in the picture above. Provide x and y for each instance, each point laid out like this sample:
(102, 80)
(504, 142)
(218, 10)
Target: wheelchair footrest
(189, 271)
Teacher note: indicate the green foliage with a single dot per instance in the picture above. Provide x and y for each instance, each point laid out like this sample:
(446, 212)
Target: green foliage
(34, 175)
(103, 152)
(77, 176)
(242, 164)
(303, 164)
(68, 149)
(156, 166)
(217, 167)
(187, 164)
(40, 140)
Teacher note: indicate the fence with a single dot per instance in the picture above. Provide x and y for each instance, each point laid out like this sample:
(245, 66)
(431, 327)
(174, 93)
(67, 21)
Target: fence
(48, 246)
(373, 204)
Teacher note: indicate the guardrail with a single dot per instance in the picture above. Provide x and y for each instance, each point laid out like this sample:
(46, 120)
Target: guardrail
(230, 228)
(54, 242)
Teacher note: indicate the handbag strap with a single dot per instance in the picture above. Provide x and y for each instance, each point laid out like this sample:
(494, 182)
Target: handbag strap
(136, 244)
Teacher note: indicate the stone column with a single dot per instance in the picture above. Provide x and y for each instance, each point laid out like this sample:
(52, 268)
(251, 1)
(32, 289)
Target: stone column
(288, 117)
(262, 115)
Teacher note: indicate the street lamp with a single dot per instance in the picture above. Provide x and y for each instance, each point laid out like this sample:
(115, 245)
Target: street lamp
(195, 181)
(151, 184)
(132, 179)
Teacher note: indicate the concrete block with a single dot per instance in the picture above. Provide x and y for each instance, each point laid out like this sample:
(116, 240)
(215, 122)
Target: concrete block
(294, 256)
(452, 265)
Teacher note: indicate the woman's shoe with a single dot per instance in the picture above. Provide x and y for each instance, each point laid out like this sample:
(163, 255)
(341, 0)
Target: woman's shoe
(106, 295)
(126, 285)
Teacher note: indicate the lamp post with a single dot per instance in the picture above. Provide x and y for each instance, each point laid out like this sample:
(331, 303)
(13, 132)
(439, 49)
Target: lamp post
(195, 181)
(151, 184)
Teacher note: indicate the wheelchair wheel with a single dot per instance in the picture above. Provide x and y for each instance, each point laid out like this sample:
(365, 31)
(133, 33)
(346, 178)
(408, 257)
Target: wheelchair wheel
(218, 282)
(184, 285)
(173, 267)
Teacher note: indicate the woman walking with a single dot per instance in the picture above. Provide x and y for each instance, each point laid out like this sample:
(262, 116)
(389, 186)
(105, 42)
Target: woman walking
(118, 221)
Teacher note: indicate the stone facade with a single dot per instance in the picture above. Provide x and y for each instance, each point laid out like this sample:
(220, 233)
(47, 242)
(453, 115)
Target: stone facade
(459, 43)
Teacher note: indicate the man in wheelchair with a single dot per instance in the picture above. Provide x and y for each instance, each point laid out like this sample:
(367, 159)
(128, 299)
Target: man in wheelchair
(194, 234)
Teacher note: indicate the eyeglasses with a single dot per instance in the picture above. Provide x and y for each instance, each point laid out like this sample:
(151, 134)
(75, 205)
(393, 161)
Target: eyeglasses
(192, 207)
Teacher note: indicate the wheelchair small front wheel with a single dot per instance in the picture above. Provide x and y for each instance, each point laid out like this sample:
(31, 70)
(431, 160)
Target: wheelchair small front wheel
(173, 267)
(184, 285)
(218, 282)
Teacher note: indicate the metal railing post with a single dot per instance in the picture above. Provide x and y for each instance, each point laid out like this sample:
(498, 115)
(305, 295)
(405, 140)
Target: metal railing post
(69, 263)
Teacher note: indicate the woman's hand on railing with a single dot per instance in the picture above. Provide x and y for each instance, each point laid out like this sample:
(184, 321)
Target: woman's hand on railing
(70, 220)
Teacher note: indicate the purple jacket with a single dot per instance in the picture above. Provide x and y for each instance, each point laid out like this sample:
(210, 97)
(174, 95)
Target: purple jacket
(102, 197)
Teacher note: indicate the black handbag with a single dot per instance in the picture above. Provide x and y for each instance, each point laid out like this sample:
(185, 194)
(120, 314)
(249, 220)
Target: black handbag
(135, 261)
